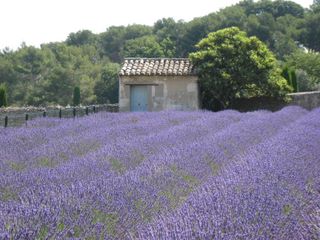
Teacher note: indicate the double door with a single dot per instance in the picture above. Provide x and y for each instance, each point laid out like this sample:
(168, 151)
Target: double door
(139, 98)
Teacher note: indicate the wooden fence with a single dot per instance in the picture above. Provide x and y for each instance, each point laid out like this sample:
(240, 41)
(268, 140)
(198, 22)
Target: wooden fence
(21, 116)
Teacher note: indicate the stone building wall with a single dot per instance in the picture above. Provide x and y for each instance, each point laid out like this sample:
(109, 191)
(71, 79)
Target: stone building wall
(164, 92)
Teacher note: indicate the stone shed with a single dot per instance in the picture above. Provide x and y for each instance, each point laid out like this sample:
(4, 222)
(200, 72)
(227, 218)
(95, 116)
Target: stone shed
(155, 84)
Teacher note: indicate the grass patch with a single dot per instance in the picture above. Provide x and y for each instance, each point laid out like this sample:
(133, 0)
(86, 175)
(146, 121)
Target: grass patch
(84, 147)
(110, 220)
(287, 209)
(116, 165)
(138, 157)
(141, 208)
(189, 179)
(18, 166)
(44, 230)
(60, 226)
(214, 166)
(8, 194)
(179, 188)
(46, 162)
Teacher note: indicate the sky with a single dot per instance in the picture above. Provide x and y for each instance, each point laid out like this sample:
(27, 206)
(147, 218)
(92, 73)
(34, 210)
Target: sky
(42, 21)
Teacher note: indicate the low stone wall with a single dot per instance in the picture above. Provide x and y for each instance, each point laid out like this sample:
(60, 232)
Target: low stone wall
(32, 109)
(15, 116)
(307, 100)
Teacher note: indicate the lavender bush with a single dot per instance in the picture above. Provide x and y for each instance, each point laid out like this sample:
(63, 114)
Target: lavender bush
(167, 175)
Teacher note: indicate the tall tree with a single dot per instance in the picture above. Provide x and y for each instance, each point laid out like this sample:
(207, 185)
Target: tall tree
(309, 63)
(111, 42)
(106, 89)
(3, 96)
(76, 96)
(315, 7)
(311, 34)
(137, 30)
(84, 37)
(146, 46)
(232, 65)
(169, 34)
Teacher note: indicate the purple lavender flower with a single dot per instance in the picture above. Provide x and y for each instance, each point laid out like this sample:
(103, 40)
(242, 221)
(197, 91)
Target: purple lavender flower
(165, 175)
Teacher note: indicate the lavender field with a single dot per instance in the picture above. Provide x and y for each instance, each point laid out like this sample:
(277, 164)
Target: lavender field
(167, 175)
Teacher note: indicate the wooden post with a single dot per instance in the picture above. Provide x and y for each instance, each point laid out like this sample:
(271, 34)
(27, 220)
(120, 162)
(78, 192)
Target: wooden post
(74, 112)
(94, 109)
(6, 121)
(44, 114)
(60, 113)
(27, 118)
(87, 111)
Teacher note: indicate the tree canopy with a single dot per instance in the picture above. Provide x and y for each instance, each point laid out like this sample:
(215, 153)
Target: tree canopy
(232, 65)
(3, 96)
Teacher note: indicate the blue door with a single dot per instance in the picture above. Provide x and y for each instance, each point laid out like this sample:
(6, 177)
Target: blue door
(139, 98)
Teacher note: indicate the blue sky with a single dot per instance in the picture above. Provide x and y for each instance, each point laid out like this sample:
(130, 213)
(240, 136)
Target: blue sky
(41, 21)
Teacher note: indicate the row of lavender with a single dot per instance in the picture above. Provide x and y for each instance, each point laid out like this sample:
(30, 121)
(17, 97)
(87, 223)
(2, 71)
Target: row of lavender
(168, 175)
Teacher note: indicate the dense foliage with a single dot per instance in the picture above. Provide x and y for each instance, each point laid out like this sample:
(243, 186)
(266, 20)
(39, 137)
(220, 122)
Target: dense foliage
(167, 175)
(232, 65)
(3, 96)
(308, 68)
(291, 77)
(76, 96)
(48, 75)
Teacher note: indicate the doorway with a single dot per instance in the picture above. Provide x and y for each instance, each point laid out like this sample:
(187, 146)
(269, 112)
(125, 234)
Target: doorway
(139, 98)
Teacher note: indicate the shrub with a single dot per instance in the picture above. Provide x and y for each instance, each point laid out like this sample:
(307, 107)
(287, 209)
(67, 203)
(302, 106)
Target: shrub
(294, 81)
(231, 65)
(3, 96)
(76, 96)
(291, 77)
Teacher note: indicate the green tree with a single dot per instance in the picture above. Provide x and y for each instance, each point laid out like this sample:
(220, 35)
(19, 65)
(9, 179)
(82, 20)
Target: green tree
(294, 81)
(169, 34)
(107, 88)
(232, 65)
(290, 75)
(146, 46)
(277, 8)
(195, 30)
(262, 26)
(3, 96)
(76, 96)
(81, 38)
(58, 88)
(311, 30)
(286, 74)
(136, 30)
(111, 42)
(8, 75)
(315, 6)
(308, 65)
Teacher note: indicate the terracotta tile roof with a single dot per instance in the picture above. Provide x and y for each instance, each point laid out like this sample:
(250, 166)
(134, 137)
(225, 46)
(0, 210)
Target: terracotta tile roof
(156, 66)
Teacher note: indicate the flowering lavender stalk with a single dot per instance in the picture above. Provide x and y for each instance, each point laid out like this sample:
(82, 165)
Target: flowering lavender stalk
(158, 175)
(271, 191)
